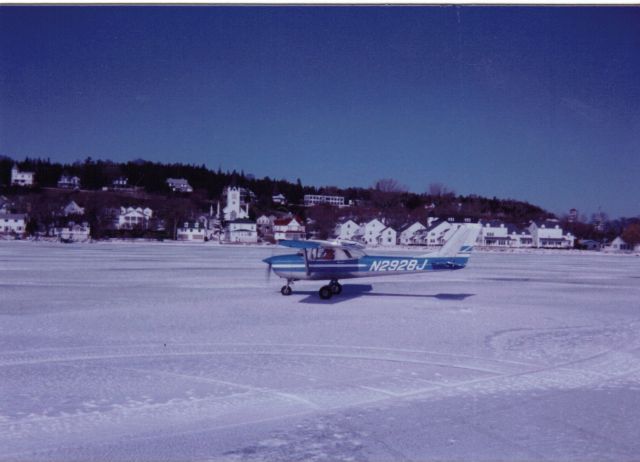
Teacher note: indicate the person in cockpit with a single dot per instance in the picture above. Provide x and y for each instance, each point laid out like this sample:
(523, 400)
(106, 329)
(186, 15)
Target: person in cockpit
(328, 254)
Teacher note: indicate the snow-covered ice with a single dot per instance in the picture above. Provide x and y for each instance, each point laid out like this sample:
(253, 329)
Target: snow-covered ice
(185, 352)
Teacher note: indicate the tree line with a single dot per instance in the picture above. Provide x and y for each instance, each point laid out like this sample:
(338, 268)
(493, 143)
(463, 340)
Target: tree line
(386, 198)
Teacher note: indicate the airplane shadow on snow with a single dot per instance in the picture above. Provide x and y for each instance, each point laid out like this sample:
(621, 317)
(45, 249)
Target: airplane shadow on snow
(351, 291)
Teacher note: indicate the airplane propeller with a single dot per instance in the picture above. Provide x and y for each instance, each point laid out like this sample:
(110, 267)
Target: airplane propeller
(268, 274)
(269, 263)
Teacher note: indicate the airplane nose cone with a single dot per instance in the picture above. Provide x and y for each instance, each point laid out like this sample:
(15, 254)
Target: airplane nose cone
(268, 261)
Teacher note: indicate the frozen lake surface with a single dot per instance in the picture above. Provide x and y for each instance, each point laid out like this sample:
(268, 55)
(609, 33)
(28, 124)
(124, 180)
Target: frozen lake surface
(186, 352)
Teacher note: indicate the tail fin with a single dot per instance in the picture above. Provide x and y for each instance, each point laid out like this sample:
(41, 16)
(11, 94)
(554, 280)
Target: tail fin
(461, 242)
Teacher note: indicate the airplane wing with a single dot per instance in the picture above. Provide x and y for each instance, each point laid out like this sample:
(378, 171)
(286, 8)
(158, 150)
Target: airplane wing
(300, 244)
(316, 244)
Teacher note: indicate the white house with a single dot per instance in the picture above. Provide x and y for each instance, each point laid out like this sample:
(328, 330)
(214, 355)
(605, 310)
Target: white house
(241, 231)
(19, 178)
(548, 234)
(347, 230)
(408, 234)
(521, 238)
(370, 232)
(237, 207)
(72, 209)
(73, 232)
(13, 224)
(279, 199)
(179, 185)
(387, 237)
(133, 217)
(436, 234)
(69, 182)
(192, 231)
(120, 183)
(289, 228)
(502, 235)
(317, 199)
(494, 234)
(618, 245)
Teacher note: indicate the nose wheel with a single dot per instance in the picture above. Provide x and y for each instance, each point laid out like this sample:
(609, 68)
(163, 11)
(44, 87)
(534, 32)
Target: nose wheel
(287, 290)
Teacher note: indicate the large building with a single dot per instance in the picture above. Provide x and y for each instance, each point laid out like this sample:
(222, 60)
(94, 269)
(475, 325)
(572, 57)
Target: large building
(192, 231)
(238, 200)
(241, 231)
(549, 235)
(316, 199)
(19, 178)
(500, 235)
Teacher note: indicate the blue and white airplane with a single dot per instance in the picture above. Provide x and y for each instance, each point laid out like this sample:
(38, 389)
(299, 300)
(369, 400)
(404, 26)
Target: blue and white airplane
(335, 260)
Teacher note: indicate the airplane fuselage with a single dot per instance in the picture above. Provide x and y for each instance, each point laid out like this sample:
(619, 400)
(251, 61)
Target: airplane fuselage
(294, 267)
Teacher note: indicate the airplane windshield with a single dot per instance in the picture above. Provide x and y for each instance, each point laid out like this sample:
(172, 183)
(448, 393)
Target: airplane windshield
(354, 253)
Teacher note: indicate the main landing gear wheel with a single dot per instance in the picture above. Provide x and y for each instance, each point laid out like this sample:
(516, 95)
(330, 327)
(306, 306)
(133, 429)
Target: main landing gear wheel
(325, 292)
(286, 290)
(336, 288)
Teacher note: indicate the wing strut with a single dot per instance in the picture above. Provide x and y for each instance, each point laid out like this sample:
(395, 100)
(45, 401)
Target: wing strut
(306, 261)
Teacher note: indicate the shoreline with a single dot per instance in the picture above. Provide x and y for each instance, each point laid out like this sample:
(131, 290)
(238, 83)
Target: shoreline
(371, 250)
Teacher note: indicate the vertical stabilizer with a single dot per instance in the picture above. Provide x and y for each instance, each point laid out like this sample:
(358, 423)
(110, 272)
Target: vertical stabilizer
(461, 242)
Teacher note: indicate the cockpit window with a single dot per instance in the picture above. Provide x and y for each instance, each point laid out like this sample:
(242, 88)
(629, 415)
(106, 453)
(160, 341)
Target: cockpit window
(330, 254)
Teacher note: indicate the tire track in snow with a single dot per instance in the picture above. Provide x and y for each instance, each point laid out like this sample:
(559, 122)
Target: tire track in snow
(23, 357)
(252, 406)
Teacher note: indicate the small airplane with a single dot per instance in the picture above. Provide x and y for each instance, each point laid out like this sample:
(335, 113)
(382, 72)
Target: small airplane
(334, 260)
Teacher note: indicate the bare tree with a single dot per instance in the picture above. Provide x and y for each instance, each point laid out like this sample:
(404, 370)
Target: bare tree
(389, 185)
(631, 234)
(438, 190)
(387, 193)
(323, 220)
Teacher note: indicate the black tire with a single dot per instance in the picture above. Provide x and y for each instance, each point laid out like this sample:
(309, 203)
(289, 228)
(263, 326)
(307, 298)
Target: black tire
(336, 288)
(325, 292)
(286, 290)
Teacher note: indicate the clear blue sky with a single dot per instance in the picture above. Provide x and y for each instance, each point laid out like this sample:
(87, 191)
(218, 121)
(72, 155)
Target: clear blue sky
(533, 103)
